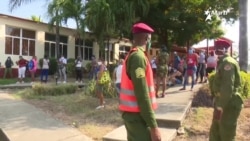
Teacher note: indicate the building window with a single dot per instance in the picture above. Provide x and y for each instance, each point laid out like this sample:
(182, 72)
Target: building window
(50, 45)
(124, 50)
(151, 51)
(19, 41)
(157, 52)
(84, 48)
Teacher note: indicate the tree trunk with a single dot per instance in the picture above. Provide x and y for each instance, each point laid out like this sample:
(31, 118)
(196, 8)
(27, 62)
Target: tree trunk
(57, 41)
(57, 38)
(243, 43)
(108, 53)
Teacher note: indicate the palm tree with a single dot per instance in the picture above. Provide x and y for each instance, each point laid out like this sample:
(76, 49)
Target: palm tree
(100, 20)
(75, 9)
(17, 3)
(243, 40)
(107, 18)
(55, 12)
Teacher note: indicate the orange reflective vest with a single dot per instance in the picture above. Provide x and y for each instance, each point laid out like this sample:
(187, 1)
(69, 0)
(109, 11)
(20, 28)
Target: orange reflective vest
(128, 101)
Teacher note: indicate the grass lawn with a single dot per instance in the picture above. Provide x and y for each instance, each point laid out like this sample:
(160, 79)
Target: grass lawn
(8, 81)
(198, 122)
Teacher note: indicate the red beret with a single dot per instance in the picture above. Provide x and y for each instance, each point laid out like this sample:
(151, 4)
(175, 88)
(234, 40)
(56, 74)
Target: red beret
(141, 28)
(222, 44)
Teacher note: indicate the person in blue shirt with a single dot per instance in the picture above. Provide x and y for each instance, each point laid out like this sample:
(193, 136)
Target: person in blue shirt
(177, 61)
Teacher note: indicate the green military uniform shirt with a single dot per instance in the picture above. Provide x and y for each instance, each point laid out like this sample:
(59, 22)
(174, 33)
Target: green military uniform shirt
(227, 80)
(161, 62)
(136, 69)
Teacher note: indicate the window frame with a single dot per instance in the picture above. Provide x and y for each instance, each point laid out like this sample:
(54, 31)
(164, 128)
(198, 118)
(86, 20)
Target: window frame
(22, 37)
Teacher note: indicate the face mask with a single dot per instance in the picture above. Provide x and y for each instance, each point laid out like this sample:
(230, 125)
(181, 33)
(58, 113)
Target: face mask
(99, 63)
(190, 51)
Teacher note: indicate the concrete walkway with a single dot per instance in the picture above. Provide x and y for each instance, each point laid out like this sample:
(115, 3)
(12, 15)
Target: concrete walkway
(23, 122)
(170, 114)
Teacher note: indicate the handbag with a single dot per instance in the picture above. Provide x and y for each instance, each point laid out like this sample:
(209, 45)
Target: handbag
(105, 78)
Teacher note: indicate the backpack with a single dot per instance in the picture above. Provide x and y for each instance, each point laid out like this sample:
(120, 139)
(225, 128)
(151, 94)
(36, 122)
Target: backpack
(31, 64)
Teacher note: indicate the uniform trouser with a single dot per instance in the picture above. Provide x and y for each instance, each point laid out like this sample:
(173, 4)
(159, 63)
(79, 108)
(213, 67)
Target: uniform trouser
(225, 129)
(8, 70)
(137, 129)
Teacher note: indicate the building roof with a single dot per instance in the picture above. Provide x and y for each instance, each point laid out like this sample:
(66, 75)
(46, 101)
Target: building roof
(3, 16)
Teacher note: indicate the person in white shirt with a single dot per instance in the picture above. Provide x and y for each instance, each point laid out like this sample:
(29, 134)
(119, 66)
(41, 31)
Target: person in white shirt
(78, 65)
(117, 76)
(45, 69)
(62, 69)
(211, 63)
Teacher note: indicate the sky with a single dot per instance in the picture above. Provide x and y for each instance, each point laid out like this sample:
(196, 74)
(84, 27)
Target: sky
(38, 8)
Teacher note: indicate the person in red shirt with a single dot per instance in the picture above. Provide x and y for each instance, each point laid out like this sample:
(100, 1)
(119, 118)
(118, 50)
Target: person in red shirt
(21, 69)
(192, 60)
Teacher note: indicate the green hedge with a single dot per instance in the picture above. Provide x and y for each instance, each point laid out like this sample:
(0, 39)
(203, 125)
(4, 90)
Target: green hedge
(245, 83)
(52, 66)
(40, 89)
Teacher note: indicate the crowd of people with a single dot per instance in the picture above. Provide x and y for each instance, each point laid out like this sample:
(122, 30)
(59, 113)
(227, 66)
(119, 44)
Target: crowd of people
(196, 65)
(30, 67)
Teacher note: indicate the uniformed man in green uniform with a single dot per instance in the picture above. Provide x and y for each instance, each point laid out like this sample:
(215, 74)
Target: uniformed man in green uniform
(227, 100)
(162, 70)
(140, 126)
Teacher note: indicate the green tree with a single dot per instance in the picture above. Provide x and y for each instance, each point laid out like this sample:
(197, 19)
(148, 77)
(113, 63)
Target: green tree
(57, 17)
(74, 9)
(16, 3)
(109, 18)
(100, 20)
(183, 22)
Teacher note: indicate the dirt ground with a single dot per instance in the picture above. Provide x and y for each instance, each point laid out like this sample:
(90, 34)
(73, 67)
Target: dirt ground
(197, 125)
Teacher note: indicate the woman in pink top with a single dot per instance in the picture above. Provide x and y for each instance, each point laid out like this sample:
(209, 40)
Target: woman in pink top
(33, 69)
(211, 63)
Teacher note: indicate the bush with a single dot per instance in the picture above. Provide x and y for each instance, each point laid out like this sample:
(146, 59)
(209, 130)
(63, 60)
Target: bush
(109, 90)
(52, 66)
(71, 67)
(40, 63)
(111, 68)
(88, 66)
(203, 97)
(53, 90)
(245, 83)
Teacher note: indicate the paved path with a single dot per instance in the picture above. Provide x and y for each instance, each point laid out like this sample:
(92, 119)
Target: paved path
(170, 114)
(23, 122)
